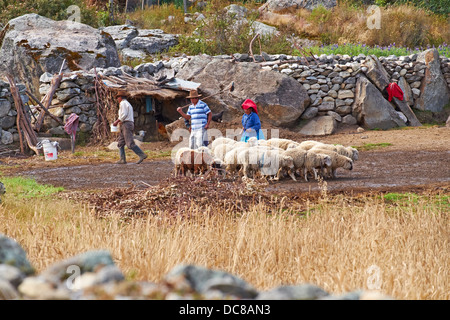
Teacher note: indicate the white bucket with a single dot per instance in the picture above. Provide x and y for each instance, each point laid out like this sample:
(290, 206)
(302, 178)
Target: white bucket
(50, 151)
(114, 128)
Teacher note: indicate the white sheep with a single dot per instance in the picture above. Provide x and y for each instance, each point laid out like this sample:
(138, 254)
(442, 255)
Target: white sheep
(221, 150)
(219, 141)
(315, 163)
(350, 152)
(308, 144)
(249, 159)
(282, 143)
(337, 161)
(273, 162)
(205, 149)
(298, 154)
(230, 159)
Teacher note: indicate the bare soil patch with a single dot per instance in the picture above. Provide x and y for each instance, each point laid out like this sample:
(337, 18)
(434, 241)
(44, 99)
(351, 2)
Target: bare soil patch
(402, 160)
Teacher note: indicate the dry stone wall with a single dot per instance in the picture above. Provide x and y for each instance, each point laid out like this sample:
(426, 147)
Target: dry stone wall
(329, 80)
(93, 275)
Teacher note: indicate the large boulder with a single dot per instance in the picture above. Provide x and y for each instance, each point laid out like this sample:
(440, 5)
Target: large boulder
(281, 99)
(434, 93)
(34, 44)
(320, 126)
(372, 110)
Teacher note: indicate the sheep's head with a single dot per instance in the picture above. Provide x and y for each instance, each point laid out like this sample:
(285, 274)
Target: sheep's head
(286, 162)
(355, 154)
(348, 165)
(326, 160)
(253, 141)
(218, 164)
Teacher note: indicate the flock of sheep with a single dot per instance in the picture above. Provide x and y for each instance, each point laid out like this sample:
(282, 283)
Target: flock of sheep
(274, 157)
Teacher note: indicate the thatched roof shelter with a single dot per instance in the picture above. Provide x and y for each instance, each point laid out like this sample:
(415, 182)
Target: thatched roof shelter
(162, 89)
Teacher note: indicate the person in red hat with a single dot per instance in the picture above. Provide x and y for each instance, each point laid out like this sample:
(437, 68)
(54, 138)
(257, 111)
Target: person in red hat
(251, 125)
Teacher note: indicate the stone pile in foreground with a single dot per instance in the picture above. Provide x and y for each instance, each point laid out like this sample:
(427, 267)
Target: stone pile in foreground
(93, 275)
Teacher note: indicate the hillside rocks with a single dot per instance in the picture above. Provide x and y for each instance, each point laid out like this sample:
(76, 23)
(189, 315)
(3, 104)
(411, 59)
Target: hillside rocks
(284, 5)
(134, 43)
(93, 275)
(34, 44)
(313, 97)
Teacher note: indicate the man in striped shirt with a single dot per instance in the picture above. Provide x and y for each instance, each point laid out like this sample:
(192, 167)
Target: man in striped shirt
(200, 116)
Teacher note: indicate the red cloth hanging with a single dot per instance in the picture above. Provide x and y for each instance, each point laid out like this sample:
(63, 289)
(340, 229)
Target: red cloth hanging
(394, 90)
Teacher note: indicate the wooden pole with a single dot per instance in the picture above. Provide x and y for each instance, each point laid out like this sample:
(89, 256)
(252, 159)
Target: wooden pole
(24, 124)
(56, 81)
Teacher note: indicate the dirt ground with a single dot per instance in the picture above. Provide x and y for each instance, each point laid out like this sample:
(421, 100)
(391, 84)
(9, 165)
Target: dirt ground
(411, 159)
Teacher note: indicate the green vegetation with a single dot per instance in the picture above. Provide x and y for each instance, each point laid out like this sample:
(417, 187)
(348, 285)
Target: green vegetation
(436, 202)
(371, 146)
(379, 51)
(28, 188)
(56, 10)
(406, 26)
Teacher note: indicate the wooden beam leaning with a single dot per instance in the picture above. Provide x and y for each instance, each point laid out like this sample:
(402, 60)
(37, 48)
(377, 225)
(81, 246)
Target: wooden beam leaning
(23, 123)
(56, 81)
(41, 107)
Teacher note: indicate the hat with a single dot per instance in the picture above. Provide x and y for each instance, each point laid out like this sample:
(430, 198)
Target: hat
(193, 94)
(121, 93)
(249, 104)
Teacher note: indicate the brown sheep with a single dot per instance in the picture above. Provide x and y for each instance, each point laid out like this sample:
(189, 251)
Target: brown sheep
(194, 161)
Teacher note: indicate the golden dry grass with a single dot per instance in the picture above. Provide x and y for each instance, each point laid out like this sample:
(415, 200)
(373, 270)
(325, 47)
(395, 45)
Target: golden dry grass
(333, 244)
(403, 25)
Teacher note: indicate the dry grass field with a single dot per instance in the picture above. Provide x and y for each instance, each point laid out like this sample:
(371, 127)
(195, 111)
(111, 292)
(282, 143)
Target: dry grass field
(396, 242)
(397, 245)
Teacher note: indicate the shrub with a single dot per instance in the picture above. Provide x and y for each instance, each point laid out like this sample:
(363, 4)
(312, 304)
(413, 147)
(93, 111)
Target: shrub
(56, 10)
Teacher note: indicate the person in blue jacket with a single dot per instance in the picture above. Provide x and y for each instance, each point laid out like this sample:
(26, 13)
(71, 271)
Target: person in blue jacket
(251, 125)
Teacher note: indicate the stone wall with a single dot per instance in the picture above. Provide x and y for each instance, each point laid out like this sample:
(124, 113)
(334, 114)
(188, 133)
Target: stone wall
(8, 113)
(330, 81)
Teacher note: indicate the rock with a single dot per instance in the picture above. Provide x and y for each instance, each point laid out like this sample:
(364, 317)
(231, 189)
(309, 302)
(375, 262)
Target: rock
(326, 106)
(263, 29)
(153, 41)
(309, 113)
(7, 137)
(121, 34)
(407, 93)
(34, 44)
(371, 109)
(85, 262)
(376, 72)
(11, 253)
(280, 99)
(7, 290)
(434, 91)
(5, 107)
(11, 274)
(447, 123)
(345, 94)
(300, 292)
(130, 54)
(349, 119)
(320, 126)
(284, 5)
(38, 288)
(202, 280)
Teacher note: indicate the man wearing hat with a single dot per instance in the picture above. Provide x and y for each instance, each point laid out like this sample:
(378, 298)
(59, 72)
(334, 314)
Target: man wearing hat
(126, 136)
(200, 116)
